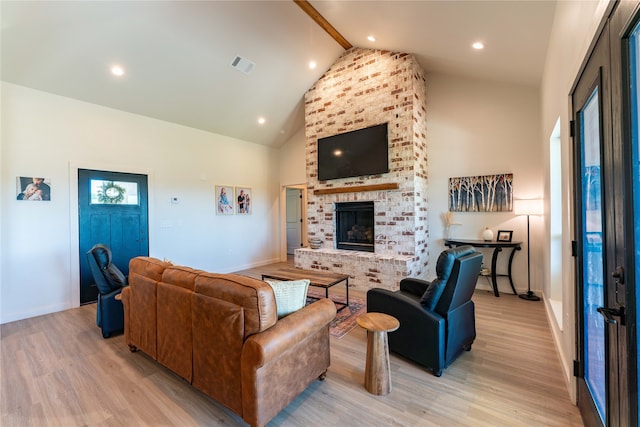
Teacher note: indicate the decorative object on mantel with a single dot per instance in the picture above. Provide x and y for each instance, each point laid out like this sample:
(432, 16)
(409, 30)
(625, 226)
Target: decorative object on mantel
(529, 207)
(488, 193)
(487, 234)
(356, 189)
(315, 243)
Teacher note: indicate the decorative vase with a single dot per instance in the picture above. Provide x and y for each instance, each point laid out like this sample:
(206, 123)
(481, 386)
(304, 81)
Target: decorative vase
(487, 234)
(447, 232)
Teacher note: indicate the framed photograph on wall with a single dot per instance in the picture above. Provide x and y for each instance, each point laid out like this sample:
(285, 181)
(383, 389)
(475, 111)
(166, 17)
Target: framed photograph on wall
(224, 200)
(33, 189)
(243, 201)
(504, 236)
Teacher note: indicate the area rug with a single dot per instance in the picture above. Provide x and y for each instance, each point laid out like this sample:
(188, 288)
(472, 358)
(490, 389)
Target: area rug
(345, 319)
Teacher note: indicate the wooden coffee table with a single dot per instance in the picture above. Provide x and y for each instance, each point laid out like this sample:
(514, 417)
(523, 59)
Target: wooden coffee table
(377, 374)
(319, 279)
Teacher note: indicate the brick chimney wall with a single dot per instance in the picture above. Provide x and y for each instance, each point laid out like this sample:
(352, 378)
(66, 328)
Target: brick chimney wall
(365, 88)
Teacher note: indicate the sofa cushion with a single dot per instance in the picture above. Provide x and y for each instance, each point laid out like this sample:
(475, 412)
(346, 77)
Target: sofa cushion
(254, 296)
(184, 277)
(148, 267)
(291, 296)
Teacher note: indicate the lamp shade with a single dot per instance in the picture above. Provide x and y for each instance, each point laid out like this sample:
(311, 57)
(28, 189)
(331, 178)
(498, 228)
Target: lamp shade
(528, 207)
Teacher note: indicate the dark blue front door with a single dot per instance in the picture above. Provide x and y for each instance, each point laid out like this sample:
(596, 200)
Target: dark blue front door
(112, 209)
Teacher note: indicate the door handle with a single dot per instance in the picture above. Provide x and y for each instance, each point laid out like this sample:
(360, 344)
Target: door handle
(618, 274)
(609, 313)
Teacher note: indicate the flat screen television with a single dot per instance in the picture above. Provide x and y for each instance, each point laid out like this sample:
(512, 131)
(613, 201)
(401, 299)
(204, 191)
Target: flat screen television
(356, 153)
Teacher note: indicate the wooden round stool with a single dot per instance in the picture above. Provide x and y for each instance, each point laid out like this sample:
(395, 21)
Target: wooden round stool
(377, 375)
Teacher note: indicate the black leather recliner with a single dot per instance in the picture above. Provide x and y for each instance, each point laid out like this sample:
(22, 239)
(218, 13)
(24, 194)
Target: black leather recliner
(437, 319)
(110, 281)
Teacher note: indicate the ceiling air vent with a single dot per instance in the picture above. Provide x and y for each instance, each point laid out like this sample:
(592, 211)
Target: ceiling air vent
(243, 64)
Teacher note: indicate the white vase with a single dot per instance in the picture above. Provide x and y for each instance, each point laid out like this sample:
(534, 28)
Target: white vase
(487, 234)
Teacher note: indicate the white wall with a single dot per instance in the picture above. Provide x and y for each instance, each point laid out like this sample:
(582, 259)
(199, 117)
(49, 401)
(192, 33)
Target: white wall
(575, 25)
(293, 167)
(481, 128)
(293, 173)
(52, 136)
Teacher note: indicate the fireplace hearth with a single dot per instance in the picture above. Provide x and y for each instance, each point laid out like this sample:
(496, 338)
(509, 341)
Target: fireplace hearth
(355, 226)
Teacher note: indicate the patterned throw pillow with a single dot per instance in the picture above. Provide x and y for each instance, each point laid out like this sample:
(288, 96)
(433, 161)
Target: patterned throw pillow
(290, 296)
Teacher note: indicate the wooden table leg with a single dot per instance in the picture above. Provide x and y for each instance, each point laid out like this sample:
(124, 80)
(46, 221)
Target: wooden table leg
(377, 376)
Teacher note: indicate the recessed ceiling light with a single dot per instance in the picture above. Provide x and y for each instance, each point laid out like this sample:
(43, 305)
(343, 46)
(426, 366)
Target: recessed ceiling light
(371, 38)
(478, 45)
(262, 120)
(312, 64)
(117, 70)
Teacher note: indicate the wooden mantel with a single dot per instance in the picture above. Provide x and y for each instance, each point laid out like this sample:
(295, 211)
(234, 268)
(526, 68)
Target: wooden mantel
(355, 189)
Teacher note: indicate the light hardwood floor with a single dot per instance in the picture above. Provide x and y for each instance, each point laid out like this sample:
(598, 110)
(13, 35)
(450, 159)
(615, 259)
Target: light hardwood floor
(58, 371)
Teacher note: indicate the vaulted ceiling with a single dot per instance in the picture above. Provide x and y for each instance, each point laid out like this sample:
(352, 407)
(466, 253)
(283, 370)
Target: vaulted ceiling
(177, 55)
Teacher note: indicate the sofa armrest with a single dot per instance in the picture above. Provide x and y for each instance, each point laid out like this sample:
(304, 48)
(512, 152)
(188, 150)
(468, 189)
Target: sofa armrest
(414, 286)
(260, 348)
(403, 305)
(125, 297)
(279, 363)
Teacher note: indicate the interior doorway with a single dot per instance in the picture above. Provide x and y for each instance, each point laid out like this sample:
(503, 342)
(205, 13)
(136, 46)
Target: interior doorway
(294, 219)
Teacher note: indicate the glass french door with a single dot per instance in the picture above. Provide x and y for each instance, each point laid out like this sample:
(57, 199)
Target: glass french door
(591, 239)
(607, 222)
(633, 219)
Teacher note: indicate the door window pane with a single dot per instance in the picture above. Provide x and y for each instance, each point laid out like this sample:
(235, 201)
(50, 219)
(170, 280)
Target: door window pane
(592, 240)
(105, 192)
(634, 53)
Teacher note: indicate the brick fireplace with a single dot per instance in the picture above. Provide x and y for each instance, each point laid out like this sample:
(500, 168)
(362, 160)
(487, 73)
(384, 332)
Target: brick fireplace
(355, 226)
(365, 88)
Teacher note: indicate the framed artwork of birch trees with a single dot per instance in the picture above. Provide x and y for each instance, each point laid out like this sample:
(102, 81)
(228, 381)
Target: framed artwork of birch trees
(488, 193)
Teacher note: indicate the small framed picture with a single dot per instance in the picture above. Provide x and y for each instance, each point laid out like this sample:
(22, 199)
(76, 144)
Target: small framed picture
(243, 200)
(504, 236)
(224, 200)
(33, 189)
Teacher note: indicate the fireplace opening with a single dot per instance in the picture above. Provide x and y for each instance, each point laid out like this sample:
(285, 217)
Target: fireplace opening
(355, 226)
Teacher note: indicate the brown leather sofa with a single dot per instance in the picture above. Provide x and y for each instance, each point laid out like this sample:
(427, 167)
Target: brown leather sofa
(221, 333)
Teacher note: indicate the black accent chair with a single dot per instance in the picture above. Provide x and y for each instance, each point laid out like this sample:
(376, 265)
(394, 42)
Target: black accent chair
(110, 282)
(437, 319)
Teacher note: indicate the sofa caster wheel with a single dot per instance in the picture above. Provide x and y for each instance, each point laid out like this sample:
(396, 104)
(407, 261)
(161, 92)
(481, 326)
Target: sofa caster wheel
(468, 348)
(438, 373)
(133, 348)
(105, 335)
(323, 376)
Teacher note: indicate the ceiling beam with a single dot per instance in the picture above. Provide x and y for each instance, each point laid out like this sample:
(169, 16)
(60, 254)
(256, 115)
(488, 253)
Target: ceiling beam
(324, 24)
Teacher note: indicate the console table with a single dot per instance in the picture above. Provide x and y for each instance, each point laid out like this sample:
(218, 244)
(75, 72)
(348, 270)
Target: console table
(497, 248)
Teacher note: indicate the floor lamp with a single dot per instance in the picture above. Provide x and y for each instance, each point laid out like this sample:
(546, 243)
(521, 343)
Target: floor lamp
(529, 207)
